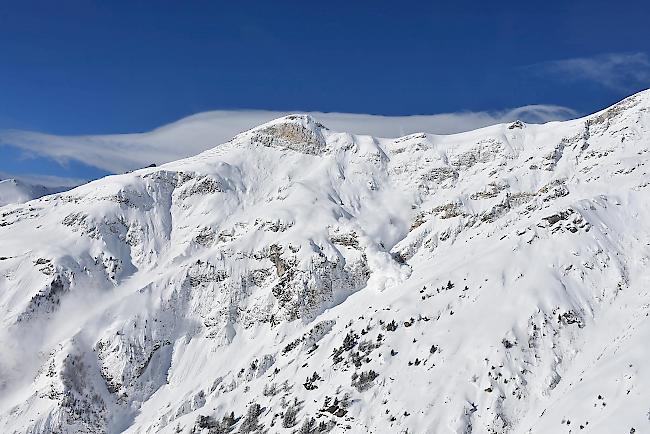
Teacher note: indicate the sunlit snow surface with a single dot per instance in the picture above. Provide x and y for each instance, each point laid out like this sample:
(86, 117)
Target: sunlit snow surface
(490, 281)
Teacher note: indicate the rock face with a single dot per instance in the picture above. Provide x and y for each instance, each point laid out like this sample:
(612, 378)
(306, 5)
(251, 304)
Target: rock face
(297, 279)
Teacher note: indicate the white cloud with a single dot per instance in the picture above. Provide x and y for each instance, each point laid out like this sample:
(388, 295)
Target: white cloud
(618, 71)
(48, 181)
(191, 135)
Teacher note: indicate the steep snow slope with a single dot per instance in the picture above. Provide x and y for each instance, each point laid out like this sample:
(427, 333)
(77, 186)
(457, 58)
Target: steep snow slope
(301, 279)
(13, 191)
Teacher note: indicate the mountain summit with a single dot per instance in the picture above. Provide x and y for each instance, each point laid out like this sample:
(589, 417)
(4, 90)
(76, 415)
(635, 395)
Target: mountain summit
(299, 279)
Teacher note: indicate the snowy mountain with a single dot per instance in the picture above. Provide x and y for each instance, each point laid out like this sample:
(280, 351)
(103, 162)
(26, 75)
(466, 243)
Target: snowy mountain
(13, 191)
(298, 279)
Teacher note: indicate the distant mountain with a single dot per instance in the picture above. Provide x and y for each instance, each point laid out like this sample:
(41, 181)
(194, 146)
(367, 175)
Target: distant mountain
(13, 191)
(299, 279)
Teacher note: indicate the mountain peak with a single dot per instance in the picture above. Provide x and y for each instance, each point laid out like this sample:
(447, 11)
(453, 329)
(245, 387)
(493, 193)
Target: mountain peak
(295, 274)
(299, 132)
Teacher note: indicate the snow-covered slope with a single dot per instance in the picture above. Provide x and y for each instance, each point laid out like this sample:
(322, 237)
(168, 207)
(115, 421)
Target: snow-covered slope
(14, 191)
(301, 279)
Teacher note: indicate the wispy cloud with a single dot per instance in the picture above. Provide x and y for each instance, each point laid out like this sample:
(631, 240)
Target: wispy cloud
(194, 134)
(48, 181)
(618, 71)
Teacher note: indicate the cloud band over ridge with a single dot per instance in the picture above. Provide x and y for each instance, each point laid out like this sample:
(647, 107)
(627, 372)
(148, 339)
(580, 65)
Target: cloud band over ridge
(118, 153)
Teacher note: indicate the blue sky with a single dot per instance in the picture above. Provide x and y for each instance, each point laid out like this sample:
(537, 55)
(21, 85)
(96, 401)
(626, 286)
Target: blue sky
(91, 67)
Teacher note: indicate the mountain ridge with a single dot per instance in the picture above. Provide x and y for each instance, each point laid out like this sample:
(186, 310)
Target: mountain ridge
(118, 153)
(311, 280)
